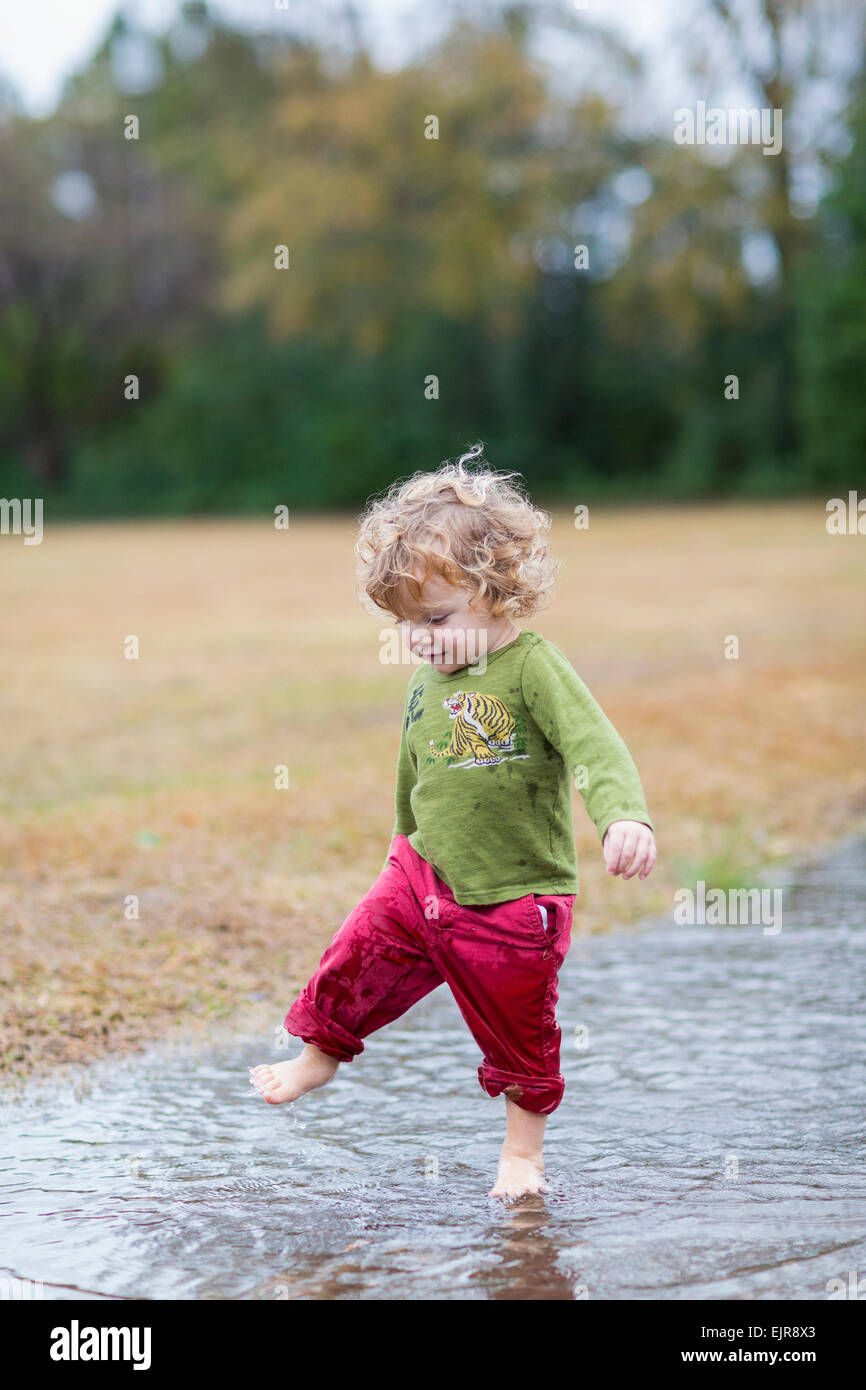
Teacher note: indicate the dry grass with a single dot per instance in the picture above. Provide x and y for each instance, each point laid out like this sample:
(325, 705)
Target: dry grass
(156, 777)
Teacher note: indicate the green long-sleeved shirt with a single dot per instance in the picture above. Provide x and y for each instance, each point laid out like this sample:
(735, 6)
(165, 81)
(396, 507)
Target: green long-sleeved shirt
(485, 769)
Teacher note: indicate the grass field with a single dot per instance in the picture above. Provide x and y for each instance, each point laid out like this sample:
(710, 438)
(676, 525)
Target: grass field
(155, 777)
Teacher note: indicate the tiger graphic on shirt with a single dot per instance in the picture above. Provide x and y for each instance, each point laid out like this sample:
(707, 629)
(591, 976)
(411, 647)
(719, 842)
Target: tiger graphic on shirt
(482, 727)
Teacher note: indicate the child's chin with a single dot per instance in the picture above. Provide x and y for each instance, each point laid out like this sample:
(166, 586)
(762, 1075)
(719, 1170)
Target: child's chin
(437, 662)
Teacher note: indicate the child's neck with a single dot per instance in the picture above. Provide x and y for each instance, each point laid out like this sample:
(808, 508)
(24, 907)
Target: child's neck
(503, 641)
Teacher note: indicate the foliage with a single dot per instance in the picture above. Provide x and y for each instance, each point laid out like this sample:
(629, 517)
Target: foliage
(410, 259)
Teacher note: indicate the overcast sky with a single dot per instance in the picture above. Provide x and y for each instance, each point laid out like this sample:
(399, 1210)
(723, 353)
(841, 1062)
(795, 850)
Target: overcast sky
(41, 43)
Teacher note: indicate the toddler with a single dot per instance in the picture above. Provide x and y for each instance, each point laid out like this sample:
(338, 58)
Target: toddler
(478, 887)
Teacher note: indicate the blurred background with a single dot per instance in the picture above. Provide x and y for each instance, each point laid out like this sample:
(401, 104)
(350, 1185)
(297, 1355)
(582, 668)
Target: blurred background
(164, 387)
(304, 126)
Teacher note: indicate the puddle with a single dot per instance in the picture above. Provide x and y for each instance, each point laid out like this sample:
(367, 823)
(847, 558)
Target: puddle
(709, 1144)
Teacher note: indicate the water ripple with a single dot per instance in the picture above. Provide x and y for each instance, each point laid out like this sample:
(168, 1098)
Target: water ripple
(709, 1144)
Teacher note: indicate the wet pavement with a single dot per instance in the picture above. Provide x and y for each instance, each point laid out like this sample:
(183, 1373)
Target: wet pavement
(710, 1143)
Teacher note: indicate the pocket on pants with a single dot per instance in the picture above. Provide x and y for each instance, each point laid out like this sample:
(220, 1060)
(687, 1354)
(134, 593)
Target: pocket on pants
(539, 916)
(552, 916)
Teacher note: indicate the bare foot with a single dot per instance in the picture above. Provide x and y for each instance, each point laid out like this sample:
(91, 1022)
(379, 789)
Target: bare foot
(518, 1174)
(281, 1081)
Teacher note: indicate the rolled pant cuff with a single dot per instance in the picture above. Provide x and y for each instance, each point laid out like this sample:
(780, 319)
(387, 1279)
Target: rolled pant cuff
(307, 1022)
(540, 1094)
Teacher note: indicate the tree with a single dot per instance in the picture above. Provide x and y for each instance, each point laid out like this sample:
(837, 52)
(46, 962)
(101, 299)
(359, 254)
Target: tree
(831, 322)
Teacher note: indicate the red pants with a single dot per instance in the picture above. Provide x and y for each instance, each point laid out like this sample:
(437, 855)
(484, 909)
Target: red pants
(407, 935)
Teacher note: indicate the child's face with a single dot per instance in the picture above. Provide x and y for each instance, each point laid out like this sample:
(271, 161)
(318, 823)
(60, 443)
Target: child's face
(447, 632)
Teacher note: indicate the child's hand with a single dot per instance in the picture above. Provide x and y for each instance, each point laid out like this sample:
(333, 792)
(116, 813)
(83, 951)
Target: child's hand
(628, 846)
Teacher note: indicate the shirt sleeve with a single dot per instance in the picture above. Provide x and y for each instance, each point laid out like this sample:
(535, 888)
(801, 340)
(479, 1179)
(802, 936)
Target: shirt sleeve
(582, 734)
(407, 776)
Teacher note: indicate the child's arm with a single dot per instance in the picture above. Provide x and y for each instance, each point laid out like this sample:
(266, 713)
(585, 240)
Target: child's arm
(595, 755)
(407, 776)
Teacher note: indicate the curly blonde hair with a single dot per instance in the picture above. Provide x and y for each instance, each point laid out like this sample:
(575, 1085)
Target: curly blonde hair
(474, 528)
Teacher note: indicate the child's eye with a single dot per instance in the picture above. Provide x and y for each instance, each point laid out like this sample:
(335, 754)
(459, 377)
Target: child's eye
(440, 619)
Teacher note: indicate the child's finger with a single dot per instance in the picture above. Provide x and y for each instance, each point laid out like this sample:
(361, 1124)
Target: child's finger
(626, 851)
(612, 850)
(651, 859)
(637, 859)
